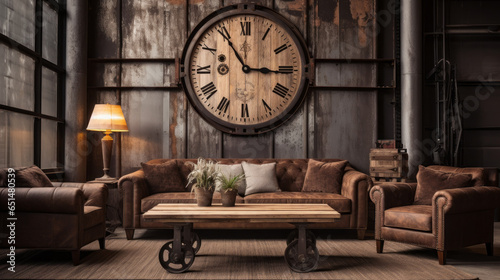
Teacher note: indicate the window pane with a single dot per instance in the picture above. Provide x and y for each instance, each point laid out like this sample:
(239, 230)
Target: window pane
(49, 34)
(17, 21)
(17, 75)
(49, 144)
(16, 139)
(49, 92)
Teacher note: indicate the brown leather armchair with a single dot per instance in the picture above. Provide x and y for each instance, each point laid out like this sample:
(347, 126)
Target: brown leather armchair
(66, 216)
(457, 217)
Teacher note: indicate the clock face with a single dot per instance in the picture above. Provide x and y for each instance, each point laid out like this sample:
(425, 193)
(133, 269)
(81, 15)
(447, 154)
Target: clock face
(245, 71)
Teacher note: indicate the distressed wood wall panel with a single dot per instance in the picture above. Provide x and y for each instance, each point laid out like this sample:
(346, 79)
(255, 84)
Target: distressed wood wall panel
(143, 111)
(175, 103)
(202, 139)
(267, 3)
(290, 140)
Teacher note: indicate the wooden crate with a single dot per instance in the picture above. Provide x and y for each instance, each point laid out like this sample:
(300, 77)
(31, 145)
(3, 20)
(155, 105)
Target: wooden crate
(388, 163)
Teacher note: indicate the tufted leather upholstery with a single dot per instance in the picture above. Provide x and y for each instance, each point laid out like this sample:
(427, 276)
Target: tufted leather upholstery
(352, 202)
(458, 217)
(66, 216)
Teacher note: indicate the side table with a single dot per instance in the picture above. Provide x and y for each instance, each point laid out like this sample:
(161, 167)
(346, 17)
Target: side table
(114, 211)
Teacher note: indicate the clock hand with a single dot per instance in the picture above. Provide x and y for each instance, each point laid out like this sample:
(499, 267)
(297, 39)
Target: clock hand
(232, 47)
(266, 70)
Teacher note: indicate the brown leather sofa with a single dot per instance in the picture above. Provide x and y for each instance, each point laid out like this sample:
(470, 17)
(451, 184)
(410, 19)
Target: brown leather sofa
(458, 217)
(65, 216)
(352, 202)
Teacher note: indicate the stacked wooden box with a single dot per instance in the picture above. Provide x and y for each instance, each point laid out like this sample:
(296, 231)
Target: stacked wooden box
(388, 165)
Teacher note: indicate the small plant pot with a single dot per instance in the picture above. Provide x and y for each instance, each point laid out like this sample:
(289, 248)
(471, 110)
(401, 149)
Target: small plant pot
(228, 198)
(204, 197)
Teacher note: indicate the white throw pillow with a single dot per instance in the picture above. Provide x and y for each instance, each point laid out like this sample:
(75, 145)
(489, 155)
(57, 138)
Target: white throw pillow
(231, 171)
(260, 178)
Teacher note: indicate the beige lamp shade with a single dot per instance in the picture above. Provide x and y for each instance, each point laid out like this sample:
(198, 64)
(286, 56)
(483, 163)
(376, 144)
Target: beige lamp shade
(107, 117)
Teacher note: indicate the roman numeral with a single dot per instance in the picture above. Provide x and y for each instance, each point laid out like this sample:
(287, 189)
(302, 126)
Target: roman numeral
(267, 31)
(268, 108)
(203, 70)
(204, 46)
(280, 90)
(209, 90)
(280, 49)
(244, 110)
(245, 28)
(224, 33)
(285, 69)
(223, 105)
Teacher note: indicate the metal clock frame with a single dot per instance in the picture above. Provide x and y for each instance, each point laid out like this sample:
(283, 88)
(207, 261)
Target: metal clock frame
(208, 22)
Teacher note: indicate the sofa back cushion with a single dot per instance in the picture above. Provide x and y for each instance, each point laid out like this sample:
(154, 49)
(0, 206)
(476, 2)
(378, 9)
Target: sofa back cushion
(478, 174)
(429, 181)
(164, 177)
(26, 177)
(289, 172)
(324, 177)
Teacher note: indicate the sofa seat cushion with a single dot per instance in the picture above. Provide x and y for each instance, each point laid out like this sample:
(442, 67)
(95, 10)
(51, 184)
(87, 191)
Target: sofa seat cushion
(416, 217)
(176, 197)
(92, 215)
(338, 202)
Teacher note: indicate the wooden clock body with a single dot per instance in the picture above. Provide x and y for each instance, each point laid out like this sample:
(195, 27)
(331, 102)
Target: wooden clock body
(244, 69)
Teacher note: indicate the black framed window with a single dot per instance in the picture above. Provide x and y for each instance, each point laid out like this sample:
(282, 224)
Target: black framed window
(32, 79)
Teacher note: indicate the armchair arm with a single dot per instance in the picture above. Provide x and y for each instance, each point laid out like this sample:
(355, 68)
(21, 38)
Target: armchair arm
(465, 200)
(133, 187)
(46, 200)
(460, 201)
(356, 186)
(96, 194)
(390, 195)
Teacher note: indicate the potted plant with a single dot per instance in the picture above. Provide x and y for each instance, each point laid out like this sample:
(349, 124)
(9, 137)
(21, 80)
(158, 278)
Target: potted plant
(203, 176)
(229, 188)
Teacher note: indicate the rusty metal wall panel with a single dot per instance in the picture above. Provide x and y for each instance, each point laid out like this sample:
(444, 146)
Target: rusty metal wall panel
(104, 34)
(345, 120)
(162, 124)
(142, 27)
(175, 125)
(143, 111)
(290, 140)
(259, 146)
(103, 42)
(203, 139)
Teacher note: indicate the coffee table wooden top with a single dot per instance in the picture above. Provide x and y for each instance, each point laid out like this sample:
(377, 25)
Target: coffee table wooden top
(253, 213)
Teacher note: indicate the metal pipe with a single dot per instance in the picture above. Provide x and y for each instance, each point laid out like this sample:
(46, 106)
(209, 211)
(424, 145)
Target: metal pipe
(76, 87)
(411, 83)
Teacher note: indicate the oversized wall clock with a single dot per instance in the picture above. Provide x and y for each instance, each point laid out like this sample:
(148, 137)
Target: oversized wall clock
(245, 69)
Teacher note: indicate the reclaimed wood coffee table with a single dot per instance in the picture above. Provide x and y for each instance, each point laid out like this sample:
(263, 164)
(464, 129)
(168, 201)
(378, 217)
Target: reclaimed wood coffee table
(301, 253)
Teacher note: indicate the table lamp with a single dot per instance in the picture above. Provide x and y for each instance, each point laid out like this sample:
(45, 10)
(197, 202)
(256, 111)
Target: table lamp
(107, 118)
